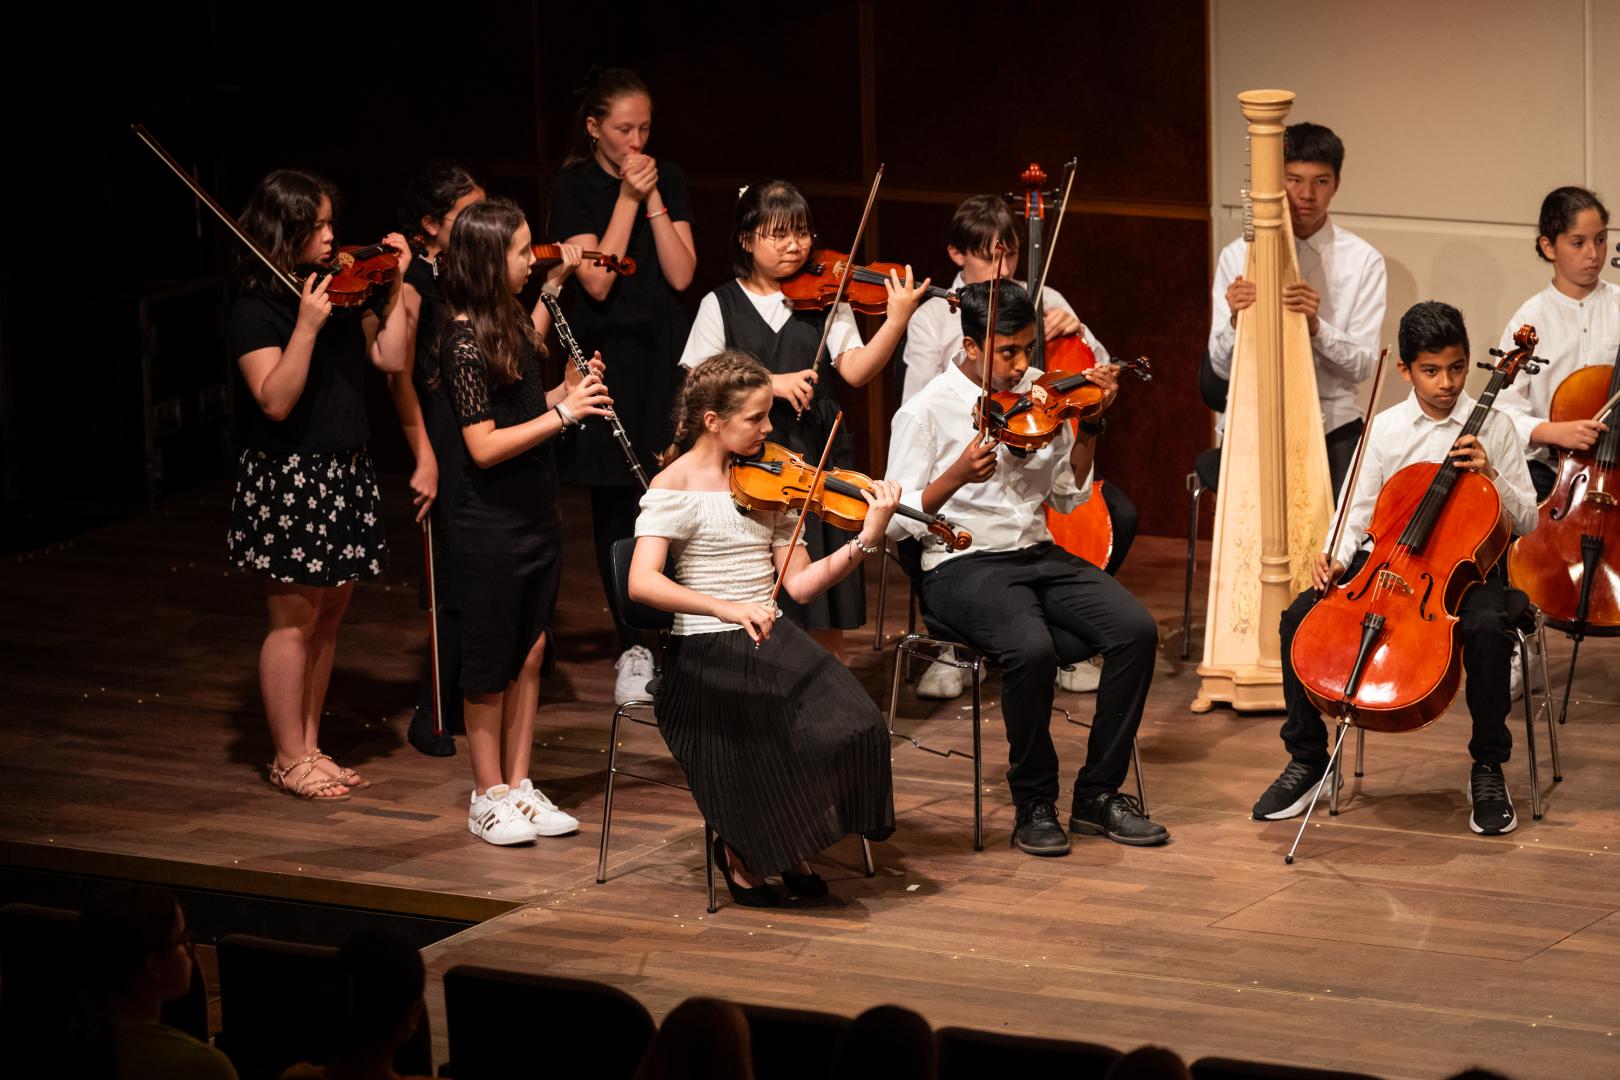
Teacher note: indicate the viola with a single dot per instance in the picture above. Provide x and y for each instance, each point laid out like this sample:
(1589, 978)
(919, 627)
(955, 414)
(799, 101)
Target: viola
(547, 254)
(815, 286)
(1570, 564)
(354, 272)
(1030, 420)
(1384, 648)
(777, 479)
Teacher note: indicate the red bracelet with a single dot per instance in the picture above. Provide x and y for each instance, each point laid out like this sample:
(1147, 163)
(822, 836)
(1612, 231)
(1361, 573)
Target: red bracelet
(657, 213)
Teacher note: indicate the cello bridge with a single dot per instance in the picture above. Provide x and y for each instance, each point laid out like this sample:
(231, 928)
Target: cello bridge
(1601, 498)
(1389, 579)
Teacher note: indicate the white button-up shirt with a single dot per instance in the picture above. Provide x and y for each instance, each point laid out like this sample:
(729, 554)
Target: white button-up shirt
(1404, 434)
(1005, 512)
(1348, 276)
(934, 337)
(1571, 334)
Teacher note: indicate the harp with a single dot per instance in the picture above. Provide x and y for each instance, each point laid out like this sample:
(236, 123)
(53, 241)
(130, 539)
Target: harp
(1275, 498)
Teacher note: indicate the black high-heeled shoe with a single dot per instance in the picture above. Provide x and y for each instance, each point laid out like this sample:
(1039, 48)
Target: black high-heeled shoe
(757, 896)
(809, 886)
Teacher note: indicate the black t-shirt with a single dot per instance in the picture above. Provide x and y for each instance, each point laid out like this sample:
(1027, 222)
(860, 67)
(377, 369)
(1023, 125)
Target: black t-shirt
(330, 414)
(639, 326)
(422, 276)
(527, 482)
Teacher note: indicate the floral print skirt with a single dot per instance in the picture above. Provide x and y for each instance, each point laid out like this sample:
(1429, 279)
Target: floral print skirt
(307, 518)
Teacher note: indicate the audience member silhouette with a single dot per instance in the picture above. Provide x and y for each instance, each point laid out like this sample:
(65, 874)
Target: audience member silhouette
(702, 1039)
(377, 1005)
(887, 1043)
(1148, 1063)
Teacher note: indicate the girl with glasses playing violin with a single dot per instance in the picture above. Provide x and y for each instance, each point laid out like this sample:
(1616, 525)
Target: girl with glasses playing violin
(783, 748)
(773, 237)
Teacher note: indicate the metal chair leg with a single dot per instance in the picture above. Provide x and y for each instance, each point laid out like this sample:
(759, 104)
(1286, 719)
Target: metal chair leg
(1529, 724)
(1141, 787)
(901, 654)
(1546, 691)
(607, 795)
(883, 592)
(866, 853)
(978, 758)
(708, 864)
(1195, 493)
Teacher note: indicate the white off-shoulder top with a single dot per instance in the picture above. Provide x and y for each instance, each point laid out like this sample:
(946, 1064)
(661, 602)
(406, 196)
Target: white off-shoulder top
(719, 551)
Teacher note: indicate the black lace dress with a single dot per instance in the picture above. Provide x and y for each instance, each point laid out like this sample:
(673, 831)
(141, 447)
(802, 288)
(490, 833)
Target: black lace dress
(505, 531)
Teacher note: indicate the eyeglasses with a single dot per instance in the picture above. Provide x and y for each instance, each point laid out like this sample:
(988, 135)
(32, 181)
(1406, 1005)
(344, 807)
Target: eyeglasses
(779, 240)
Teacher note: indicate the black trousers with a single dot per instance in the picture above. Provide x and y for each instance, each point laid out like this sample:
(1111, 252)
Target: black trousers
(613, 517)
(1341, 451)
(1487, 653)
(1025, 609)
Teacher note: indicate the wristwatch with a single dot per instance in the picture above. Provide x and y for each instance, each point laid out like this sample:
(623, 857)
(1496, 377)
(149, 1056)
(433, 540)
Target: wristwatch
(1094, 427)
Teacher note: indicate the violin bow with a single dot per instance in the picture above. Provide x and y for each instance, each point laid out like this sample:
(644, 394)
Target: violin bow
(219, 211)
(1057, 229)
(1361, 451)
(849, 264)
(987, 357)
(798, 528)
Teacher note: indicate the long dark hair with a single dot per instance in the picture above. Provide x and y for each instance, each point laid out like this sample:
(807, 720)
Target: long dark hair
(1560, 209)
(766, 206)
(601, 88)
(380, 981)
(431, 194)
(473, 277)
(280, 215)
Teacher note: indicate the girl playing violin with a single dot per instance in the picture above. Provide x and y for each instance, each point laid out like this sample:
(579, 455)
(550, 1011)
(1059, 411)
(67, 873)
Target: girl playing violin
(1578, 319)
(772, 238)
(612, 196)
(428, 211)
(506, 538)
(306, 515)
(784, 749)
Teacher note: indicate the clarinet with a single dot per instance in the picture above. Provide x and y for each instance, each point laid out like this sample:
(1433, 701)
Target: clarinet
(577, 355)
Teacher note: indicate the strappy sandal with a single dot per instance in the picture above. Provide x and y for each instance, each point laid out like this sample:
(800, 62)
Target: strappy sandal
(347, 777)
(308, 784)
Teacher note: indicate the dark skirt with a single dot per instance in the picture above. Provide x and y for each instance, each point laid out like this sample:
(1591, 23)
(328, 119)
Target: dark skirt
(307, 518)
(508, 579)
(784, 750)
(842, 607)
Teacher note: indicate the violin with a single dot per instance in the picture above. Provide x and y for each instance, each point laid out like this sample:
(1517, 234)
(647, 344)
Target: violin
(1032, 419)
(354, 272)
(779, 480)
(547, 254)
(1384, 648)
(815, 286)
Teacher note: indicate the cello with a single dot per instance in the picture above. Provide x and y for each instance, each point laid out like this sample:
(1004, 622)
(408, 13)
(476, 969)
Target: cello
(1570, 565)
(1383, 650)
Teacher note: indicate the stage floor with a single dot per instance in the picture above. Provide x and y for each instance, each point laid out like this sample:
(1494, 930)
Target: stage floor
(1399, 943)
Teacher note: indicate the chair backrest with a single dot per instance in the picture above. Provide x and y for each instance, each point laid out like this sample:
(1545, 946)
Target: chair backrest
(496, 1018)
(1214, 1068)
(965, 1054)
(634, 615)
(794, 1044)
(280, 1003)
(1211, 387)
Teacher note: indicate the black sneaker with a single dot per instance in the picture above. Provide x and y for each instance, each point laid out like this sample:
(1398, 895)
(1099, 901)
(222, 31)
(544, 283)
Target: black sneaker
(1291, 792)
(1118, 817)
(1493, 809)
(1037, 830)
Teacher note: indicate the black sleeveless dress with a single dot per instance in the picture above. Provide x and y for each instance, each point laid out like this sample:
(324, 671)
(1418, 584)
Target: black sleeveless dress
(842, 607)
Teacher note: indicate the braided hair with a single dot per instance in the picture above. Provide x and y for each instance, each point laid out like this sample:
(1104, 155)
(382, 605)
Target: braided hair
(717, 385)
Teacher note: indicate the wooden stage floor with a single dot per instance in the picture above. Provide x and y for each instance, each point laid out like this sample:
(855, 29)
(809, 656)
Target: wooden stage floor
(1399, 944)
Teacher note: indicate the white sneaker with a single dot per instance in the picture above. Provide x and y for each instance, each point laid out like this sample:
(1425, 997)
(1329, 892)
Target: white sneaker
(635, 667)
(1081, 678)
(492, 818)
(941, 681)
(540, 812)
(1515, 677)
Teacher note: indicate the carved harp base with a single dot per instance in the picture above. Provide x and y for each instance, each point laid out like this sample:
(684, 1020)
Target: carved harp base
(1249, 689)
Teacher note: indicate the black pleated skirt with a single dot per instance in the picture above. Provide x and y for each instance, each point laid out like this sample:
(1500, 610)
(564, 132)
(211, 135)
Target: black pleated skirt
(784, 749)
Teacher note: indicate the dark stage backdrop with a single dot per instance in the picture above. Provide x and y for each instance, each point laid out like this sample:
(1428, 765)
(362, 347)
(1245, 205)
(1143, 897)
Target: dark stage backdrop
(111, 381)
